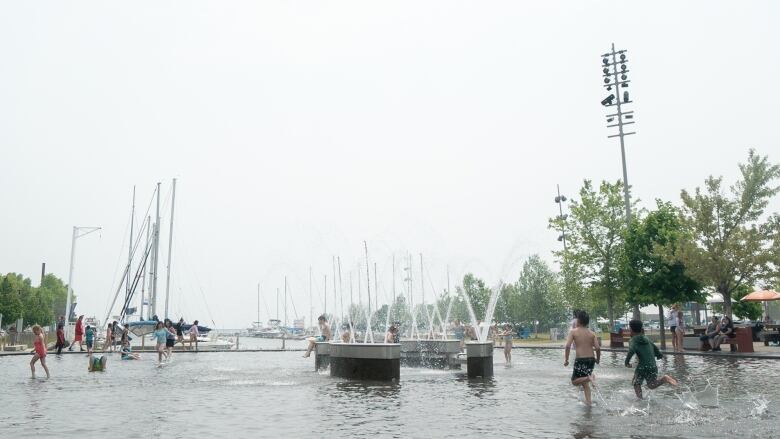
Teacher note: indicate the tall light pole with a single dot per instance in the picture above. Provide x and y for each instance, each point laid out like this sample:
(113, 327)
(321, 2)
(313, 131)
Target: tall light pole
(78, 232)
(559, 200)
(615, 73)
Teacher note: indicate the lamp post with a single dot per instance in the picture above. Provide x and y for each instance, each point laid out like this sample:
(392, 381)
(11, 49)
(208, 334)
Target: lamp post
(615, 73)
(78, 232)
(559, 200)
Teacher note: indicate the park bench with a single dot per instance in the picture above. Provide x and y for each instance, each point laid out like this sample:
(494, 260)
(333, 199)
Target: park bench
(618, 339)
(743, 342)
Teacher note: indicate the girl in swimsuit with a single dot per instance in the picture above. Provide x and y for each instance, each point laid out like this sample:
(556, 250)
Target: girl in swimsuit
(40, 351)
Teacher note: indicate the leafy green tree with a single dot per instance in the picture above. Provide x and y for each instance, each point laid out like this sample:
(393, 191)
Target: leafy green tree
(747, 310)
(55, 293)
(595, 229)
(729, 244)
(12, 287)
(648, 276)
(539, 294)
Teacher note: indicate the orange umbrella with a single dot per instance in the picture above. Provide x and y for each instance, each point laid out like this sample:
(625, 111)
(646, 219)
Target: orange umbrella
(761, 296)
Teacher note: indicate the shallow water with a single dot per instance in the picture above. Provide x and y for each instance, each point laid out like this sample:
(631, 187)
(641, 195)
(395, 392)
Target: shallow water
(274, 394)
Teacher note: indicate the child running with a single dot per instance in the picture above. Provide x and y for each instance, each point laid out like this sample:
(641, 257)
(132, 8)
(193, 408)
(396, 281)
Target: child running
(40, 351)
(171, 338)
(161, 334)
(646, 351)
(586, 344)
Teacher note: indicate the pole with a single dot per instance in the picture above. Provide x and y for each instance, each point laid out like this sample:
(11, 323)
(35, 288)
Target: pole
(341, 287)
(560, 210)
(393, 278)
(311, 301)
(376, 289)
(170, 249)
(143, 274)
(368, 280)
(621, 135)
(325, 292)
(156, 253)
(70, 281)
(285, 301)
(335, 299)
(277, 304)
(258, 304)
(130, 245)
(43, 275)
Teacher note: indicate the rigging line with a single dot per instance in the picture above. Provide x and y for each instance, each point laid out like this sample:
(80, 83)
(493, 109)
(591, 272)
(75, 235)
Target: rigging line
(118, 259)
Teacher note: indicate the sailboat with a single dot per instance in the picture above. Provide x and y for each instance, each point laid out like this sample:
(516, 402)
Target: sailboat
(150, 255)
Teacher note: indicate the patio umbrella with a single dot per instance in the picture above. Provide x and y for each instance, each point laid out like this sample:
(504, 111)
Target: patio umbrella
(761, 296)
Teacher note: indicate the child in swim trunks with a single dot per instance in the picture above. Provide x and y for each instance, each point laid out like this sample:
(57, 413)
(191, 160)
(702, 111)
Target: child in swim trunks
(586, 344)
(647, 352)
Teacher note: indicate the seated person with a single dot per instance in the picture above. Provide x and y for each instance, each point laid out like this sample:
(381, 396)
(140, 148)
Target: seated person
(325, 335)
(97, 364)
(127, 353)
(712, 330)
(392, 334)
(725, 332)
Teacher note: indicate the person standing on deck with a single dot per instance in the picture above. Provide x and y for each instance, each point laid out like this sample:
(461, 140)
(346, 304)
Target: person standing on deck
(79, 334)
(179, 332)
(194, 333)
(60, 335)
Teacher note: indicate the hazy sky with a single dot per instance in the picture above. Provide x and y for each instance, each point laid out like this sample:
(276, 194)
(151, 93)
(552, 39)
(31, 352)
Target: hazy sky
(298, 130)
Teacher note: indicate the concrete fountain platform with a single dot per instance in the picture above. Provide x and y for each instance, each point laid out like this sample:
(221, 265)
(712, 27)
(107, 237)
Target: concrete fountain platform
(438, 354)
(479, 359)
(366, 361)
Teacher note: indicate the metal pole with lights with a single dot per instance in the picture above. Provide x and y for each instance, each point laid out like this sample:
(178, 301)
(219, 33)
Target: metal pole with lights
(560, 199)
(615, 73)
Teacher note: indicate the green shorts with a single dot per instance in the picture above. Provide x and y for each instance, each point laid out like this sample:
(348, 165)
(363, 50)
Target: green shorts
(646, 374)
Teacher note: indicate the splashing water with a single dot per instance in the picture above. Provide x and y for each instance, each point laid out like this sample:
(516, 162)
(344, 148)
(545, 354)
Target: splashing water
(760, 406)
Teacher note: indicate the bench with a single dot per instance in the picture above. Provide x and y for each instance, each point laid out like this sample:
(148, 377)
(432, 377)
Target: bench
(743, 342)
(769, 336)
(618, 339)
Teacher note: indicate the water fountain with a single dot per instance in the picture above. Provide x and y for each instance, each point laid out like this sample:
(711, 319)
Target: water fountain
(479, 354)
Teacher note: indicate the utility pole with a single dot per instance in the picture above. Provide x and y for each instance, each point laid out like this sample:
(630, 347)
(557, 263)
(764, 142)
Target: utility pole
(78, 232)
(615, 73)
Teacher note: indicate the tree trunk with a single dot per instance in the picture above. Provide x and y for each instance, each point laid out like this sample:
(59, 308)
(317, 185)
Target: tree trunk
(661, 326)
(636, 314)
(726, 300)
(610, 312)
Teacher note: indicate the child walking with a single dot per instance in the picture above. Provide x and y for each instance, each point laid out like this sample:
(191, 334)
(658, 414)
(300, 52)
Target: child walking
(161, 334)
(647, 352)
(586, 343)
(40, 351)
(89, 334)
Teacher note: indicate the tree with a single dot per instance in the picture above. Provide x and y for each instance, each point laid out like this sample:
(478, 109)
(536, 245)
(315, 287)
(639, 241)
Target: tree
(55, 293)
(11, 291)
(539, 295)
(747, 310)
(595, 240)
(729, 244)
(648, 276)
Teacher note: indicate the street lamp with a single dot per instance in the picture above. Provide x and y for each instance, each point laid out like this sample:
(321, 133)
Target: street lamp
(78, 232)
(615, 73)
(560, 199)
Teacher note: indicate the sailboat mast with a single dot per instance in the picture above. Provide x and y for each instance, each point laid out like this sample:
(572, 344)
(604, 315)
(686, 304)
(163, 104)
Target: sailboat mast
(156, 253)
(311, 301)
(376, 289)
(368, 280)
(130, 245)
(393, 278)
(277, 304)
(335, 299)
(341, 287)
(143, 274)
(170, 249)
(258, 304)
(285, 301)
(325, 293)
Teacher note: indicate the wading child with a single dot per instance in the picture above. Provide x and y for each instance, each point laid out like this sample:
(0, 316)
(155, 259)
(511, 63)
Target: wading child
(96, 364)
(89, 334)
(161, 334)
(171, 338)
(646, 351)
(127, 352)
(586, 344)
(506, 335)
(40, 351)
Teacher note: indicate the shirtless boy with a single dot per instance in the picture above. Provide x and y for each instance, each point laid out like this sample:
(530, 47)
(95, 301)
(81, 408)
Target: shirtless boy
(585, 344)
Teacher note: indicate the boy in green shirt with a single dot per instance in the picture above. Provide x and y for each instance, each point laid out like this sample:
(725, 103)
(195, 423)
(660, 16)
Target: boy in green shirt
(646, 351)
